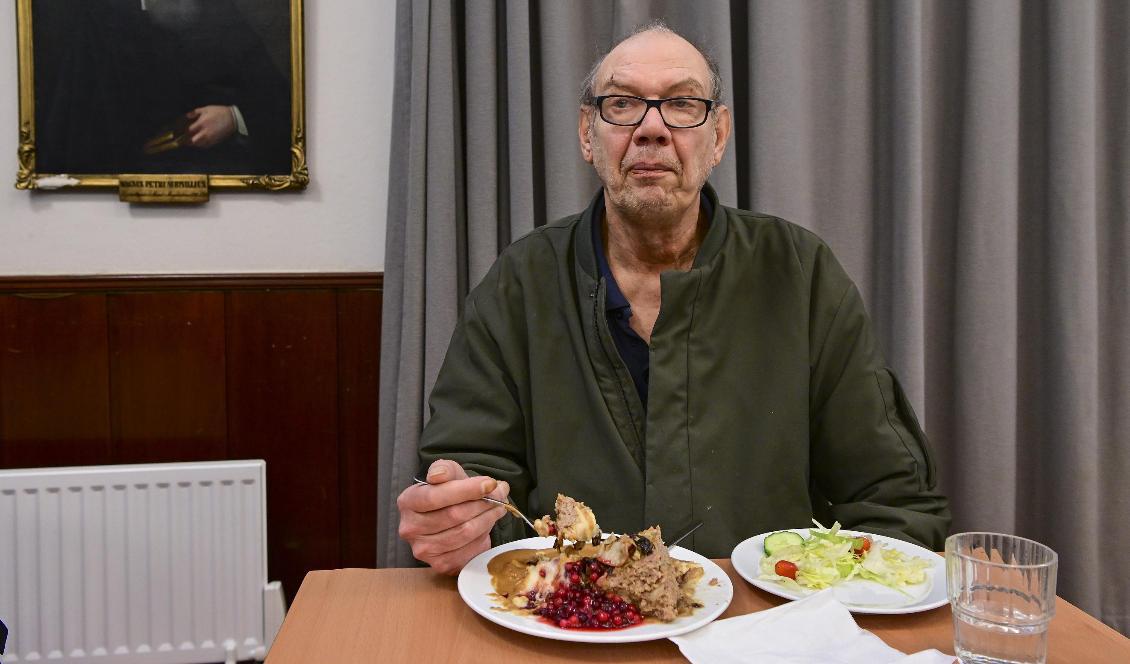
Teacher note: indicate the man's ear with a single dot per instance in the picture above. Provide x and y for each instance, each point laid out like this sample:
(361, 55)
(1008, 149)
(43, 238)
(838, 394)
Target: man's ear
(723, 125)
(584, 133)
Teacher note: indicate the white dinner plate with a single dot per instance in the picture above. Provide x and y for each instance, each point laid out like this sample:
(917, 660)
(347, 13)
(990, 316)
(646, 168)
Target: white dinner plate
(858, 595)
(477, 592)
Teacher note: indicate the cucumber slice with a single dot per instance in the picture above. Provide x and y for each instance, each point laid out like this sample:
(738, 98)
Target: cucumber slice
(776, 541)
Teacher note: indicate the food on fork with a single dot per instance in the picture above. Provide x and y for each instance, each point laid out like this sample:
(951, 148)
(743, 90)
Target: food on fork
(575, 521)
(594, 583)
(545, 526)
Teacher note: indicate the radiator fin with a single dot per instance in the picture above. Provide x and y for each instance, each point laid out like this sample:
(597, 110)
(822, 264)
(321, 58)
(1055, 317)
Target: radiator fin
(150, 563)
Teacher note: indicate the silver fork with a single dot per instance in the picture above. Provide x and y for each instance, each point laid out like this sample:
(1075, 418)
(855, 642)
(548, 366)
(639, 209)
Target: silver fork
(508, 506)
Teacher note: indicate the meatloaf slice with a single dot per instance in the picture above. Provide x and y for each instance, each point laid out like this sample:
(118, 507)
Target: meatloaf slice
(649, 580)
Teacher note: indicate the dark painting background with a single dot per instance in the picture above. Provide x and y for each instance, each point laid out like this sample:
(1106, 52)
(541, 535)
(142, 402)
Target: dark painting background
(110, 75)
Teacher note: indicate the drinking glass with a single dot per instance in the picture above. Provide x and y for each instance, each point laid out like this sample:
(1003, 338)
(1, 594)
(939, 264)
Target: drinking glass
(1002, 592)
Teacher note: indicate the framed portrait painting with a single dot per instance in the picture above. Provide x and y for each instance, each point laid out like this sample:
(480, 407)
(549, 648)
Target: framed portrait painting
(116, 93)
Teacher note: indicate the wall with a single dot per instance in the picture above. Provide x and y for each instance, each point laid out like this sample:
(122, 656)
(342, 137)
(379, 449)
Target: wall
(336, 225)
(103, 370)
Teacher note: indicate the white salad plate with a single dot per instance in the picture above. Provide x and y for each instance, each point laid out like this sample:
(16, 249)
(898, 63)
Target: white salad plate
(858, 595)
(476, 590)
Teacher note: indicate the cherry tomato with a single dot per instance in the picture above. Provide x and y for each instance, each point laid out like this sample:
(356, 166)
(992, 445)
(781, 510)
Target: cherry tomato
(862, 545)
(785, 568)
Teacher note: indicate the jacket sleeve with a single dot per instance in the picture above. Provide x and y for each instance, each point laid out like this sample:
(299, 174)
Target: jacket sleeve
(870, 459)
(476, 417)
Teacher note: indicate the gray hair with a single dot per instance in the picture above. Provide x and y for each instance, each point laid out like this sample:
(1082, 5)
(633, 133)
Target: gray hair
(588, 95)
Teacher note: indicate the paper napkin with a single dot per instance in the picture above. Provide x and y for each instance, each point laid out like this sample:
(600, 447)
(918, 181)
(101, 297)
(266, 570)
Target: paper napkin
(814, 630)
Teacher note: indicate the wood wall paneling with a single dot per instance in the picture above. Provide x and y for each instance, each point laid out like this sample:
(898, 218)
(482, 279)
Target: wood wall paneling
(120, 283)
(137, 369)
(359, 323)
(54, 401)
(167, 376)
(283, 407)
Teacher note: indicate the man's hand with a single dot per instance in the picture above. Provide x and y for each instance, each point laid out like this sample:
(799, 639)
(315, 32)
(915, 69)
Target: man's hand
(445, 522)
(210, 125)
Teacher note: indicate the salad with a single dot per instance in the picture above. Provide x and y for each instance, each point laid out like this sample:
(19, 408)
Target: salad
(827, 558)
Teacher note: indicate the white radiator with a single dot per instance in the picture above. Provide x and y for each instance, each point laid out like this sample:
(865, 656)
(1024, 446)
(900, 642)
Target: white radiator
(156, 563)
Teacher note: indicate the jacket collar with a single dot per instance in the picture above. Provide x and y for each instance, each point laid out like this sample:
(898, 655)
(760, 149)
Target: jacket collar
(711, 244)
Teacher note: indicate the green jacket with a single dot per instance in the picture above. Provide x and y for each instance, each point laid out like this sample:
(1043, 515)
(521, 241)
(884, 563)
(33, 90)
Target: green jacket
(769, 401)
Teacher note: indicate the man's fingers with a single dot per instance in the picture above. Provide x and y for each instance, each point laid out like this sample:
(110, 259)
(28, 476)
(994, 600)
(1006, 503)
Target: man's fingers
(196, 126)
(430, 547)
(445, 470)
(451, 563)
(415, 524)
(500, 492)
(437, 496)
(445, 521)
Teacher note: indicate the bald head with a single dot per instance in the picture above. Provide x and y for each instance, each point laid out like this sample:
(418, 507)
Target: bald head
(653, 171)
(646, 43)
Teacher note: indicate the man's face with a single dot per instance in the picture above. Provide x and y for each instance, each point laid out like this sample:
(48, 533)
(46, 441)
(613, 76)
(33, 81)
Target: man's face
(650, 168)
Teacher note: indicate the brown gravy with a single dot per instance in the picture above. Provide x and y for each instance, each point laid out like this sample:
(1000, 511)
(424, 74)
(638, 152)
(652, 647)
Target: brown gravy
(508, 570)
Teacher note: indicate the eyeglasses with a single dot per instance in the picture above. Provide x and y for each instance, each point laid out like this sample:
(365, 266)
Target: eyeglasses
(676, 112)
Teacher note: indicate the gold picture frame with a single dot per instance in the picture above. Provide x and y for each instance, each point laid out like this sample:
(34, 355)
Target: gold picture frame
(59, 153)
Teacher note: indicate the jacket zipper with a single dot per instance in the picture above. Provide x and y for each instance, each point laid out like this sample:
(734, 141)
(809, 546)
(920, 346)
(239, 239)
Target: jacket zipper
(603, 338)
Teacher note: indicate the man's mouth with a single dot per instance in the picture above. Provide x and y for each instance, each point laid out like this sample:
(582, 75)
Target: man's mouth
(649, 169)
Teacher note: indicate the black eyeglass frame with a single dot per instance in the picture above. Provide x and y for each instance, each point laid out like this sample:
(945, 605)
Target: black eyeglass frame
(598, 103)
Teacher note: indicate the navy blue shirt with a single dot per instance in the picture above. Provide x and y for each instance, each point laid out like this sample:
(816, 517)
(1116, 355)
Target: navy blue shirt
(632, 348)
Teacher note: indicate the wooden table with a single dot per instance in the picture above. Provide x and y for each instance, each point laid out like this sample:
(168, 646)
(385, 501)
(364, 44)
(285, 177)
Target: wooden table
(416, 615)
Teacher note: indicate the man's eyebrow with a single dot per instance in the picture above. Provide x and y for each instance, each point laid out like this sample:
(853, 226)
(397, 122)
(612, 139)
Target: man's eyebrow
(687, 83)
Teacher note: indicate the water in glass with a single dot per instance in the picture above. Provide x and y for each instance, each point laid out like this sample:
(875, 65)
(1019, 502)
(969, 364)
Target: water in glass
(1002, 593)
(978, 640)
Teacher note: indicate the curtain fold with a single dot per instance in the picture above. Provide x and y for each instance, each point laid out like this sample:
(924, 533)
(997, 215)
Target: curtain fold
(967, 162)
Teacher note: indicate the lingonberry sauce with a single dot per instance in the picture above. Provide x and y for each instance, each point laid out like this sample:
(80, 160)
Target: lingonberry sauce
(577, 603)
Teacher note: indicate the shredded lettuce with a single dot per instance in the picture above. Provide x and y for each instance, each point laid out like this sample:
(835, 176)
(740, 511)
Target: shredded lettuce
(826, 559)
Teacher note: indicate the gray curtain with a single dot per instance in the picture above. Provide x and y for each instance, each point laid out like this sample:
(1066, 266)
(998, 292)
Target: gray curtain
(968, 162)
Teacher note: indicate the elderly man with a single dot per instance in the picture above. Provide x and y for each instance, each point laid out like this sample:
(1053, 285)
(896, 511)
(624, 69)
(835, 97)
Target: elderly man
(665, 358)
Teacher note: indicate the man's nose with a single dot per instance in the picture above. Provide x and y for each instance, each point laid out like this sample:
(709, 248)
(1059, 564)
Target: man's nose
(652, 129)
